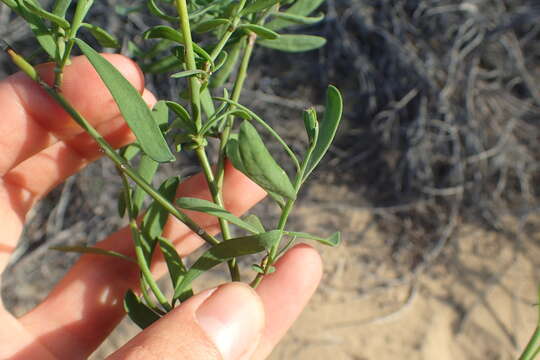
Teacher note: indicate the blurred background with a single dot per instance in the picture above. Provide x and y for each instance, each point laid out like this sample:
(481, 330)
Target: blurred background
(433, 180)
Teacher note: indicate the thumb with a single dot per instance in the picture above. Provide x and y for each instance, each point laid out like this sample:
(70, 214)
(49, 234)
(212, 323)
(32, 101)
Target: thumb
(224, 323)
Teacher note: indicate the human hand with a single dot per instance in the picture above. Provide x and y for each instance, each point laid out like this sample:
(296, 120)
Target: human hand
(40, 147)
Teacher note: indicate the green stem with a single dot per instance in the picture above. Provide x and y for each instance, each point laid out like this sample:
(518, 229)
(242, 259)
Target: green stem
(533, 347)
(228, 33)
(144, 267)
(126, 168)
(194, 82)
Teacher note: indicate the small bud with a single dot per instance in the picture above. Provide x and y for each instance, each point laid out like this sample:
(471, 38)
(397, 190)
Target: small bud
(311, 124)
(21, 63)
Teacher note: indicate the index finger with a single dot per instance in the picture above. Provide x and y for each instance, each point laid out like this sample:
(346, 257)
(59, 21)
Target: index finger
(32, 121)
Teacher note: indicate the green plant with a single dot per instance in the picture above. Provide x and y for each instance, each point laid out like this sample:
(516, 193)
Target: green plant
(229, 30)
(533, 347)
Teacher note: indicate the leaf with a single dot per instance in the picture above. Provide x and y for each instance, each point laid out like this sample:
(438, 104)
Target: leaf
(297, 19)
(263, 32)
(327, 129)
(221, 77)
(332, 240)
(38, 11)
(259, 165)
(141, 314)
(174, 262)
(255, 222)
(163, 32)
(211, 208)
(154, 9)
(102, 36)
(209, 25)
(257, 6)
(38, 27)
(156, 216)
(294, 43)
(225, 251)
(92, 250)
(207, 103)
(60, 7)
(132, 106)
(183, 115)
(301, 8)
(187, 73)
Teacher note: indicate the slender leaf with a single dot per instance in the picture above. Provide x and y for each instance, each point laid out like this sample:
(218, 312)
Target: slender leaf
(156, 216)
(221, 77)
(257, 6)
(44, 14)
(333, 240)
(154, 9)
(255, 222)
(60, 7)
(327, 129)
(263, 32)
(301, 8)
(207, 103)
(259, 165)
(210, 25)
(132, 106)
(92, 250)
(187, 73)
(164, 32)
(174, 262)
(102, 36)
(183, 115)
(225, 251)
(141, 314)
(211, 208)
(294, 43)
(297, 19)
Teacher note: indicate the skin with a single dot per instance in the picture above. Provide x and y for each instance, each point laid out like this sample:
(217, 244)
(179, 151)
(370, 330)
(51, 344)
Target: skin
(86, 304)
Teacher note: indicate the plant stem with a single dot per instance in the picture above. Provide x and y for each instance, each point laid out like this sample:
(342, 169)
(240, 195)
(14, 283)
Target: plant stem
(533, 347)
(194, 83)
(126, 168)
(228, 33)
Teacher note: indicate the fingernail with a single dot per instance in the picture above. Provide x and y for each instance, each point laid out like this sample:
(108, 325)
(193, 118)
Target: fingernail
(233, 318)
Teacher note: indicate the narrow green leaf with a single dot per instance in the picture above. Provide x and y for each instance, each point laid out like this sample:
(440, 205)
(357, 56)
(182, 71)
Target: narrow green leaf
(257, 6)
(92, 250)
(207, 103)
(297, 19)
(102, 36)
(183, 115)
(210, 25)
(233, 153)
(221, 77)
(211, 208)
(44, 14)
(163, 32)
(38, 27)
(259, 165)
(263, 32)
(156, 216)
(333, 240)
(294, 43)
(174, 262)
(255, 222)
(225, 251)
(163, 65)
(141, 314)
(203, 11)
(327, 129)
(81, 10)
(301, 8)
(60, 7)
(154, 9)
(187, 73)
(132, 106)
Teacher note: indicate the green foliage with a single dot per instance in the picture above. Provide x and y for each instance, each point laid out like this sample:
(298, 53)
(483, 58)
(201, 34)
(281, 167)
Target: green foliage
(229, 30)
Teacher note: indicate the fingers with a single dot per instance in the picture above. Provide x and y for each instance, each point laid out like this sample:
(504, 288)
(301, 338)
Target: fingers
(225, 323)
(286, 292)
(34, 121)
(87, 304)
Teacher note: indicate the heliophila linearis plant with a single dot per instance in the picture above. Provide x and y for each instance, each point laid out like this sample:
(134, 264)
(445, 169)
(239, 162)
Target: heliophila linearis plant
(205, 45)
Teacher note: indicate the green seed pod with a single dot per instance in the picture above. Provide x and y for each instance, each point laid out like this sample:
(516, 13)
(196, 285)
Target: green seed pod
(22, 64)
